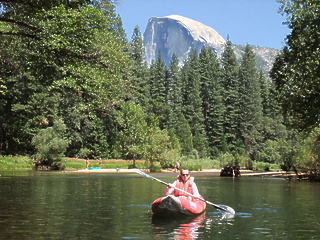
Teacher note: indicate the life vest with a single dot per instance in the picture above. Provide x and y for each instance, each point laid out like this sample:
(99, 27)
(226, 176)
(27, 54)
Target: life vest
(186, 186)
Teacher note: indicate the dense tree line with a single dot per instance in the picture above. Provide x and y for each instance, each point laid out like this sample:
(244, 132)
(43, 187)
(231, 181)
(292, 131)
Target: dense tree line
(72, 84)
(295, 74)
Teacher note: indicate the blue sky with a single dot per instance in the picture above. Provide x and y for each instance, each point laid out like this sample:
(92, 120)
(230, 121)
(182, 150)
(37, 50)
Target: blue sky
(256, 22)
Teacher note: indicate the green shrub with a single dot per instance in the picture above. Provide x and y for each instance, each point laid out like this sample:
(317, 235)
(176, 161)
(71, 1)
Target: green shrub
(198, 164)
(215, 164)
(85, 153)
(156, 167)
(225, 159)
(193, 167)
(194, 154)
(50, 144)
(264, 166)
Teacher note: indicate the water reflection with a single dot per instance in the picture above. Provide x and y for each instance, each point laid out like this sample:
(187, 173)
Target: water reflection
(187, 227)
(183, 228)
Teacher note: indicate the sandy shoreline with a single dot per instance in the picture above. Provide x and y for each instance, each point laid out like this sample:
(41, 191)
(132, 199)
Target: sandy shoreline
(204, 172)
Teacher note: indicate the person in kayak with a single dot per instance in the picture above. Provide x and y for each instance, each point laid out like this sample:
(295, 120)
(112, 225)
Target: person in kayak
(185, 182)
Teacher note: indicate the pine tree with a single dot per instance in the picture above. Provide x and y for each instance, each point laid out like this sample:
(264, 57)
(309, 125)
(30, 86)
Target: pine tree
(250, 103)
(265, 94)
(211, 93)
(158, 90)
(137, 48)
(183, 132)
(174, 96)
(192, 102)
(118, 28)
(230, 97)
(139, 67)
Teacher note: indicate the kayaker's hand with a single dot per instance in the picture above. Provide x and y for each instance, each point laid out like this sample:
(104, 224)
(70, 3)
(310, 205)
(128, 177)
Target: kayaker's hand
(169, 189)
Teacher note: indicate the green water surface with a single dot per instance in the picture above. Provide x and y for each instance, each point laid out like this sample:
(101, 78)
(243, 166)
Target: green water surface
(56, 205)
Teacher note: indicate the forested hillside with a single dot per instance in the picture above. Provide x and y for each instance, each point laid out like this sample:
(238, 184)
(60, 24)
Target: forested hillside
(71, 84)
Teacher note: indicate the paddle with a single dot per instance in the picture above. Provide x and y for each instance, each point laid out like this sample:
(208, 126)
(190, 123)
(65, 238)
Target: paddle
(223, 208)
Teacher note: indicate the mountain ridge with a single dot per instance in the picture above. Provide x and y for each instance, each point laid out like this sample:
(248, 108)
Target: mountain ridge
(179, 35)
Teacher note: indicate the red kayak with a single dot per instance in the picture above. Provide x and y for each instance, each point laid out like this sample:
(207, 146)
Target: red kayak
(171, 205)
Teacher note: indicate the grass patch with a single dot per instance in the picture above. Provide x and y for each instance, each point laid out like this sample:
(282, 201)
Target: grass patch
(199, 164)
(15, 162)
(70, 164)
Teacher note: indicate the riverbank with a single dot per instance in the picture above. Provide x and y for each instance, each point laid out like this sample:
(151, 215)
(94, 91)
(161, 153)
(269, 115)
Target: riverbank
(122, 170)
(75, 165)
(204, 172)
(70, 164)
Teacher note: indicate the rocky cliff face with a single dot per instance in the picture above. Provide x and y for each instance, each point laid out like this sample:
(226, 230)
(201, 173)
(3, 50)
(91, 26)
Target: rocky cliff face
(264, 56)
(177, 34)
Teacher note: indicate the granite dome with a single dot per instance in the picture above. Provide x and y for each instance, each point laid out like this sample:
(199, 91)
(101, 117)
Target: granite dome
(177, 34)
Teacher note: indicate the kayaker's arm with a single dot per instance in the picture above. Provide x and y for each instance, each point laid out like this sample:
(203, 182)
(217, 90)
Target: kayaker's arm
(170, 188)
(195, 190)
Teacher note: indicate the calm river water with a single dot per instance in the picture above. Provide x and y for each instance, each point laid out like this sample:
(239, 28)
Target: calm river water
(51, 205)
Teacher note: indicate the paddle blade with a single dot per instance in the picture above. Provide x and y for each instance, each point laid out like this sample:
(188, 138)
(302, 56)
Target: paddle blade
(226, 209)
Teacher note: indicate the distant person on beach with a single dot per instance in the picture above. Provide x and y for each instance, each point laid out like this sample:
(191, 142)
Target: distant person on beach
(177, 167)
(87, 163)
(100, 162)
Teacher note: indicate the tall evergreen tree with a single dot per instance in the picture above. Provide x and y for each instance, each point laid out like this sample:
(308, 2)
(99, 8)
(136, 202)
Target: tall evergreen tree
(158, 90)
(183, 132)
(250, 104)
(139, 67)
(117, 26)
(192, 102)
(137, 48)
(265, 94)
(211, 93)
(230, 97)
(174, 96)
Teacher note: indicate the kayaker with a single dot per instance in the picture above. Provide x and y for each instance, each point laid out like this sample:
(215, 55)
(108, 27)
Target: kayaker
(185, 182)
